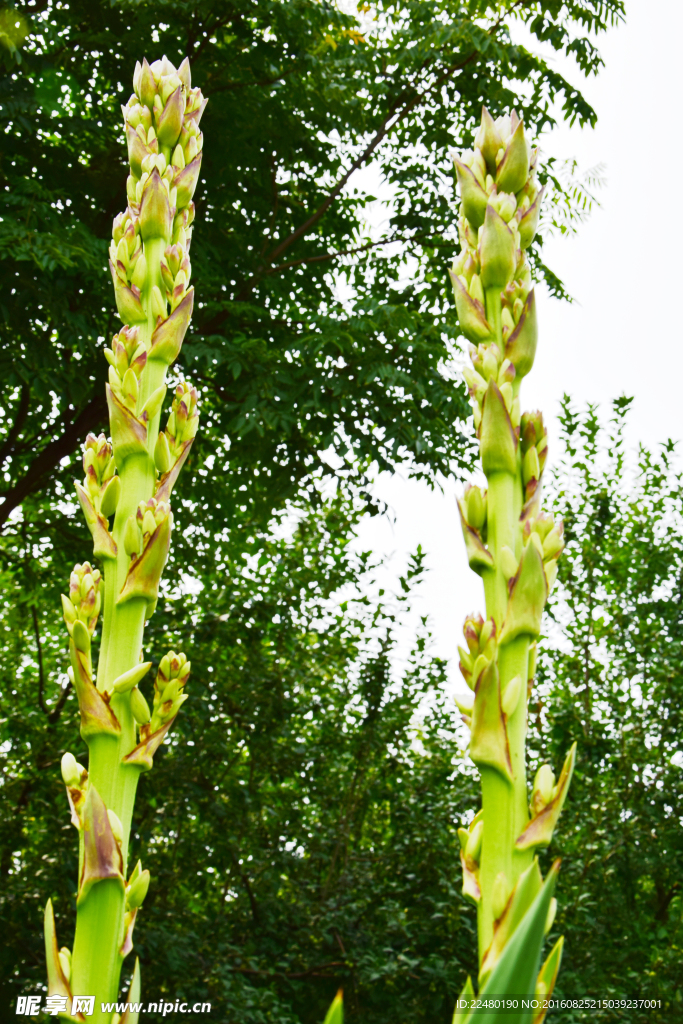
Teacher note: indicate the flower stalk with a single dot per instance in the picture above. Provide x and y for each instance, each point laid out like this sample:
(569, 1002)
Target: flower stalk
(510, 543)
(129, 479)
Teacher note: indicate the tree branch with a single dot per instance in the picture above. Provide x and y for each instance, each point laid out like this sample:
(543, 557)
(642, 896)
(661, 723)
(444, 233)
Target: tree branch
(342, 252)
(41, 676)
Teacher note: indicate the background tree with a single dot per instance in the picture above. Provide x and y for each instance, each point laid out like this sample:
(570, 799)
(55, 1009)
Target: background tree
(611, 678)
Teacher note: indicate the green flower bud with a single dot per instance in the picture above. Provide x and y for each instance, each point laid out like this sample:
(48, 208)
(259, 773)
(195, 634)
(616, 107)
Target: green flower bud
(116, 826)
(496, 251)
(155, 210)
(528, 223)
(68, 609)
(488, 635)
(171, 119)
(520, 345)
(132, 540)
(553, 544)
(139, 707)
(187, 177)
(472, 631)
(473, 196)
(510, 696)
(72, 771)
(153, 404)
(136, 892)
(162, 454)
(473, 848)
(139, 275)
(158, 303)
(80, 637)
(65, 962)
(500, 895)
(497, 435)
(129, 389)
(476, 507)
(508, 563)
(110, 497)
(466, 660)
(513, 168)
(544, 783)
(488, 139)
(480, 664)
(144, 84)
(131, 678)
(531, 469)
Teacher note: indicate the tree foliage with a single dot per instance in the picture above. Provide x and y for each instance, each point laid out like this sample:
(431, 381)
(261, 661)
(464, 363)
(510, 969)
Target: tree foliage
(611, 679)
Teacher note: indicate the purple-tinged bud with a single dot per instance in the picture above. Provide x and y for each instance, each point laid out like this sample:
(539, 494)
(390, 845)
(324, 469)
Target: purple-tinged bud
(184, 74)
(520, 347)
(186, 181)
(488, 139)
(528, 594)
(147, 86)
(471, 313)
(166, 276)
(170, 120)
(498, 440)
(137, 78)
(513, 169)
(528, 223)
(155, 211)
(168, 336)
(196, 105)
(472, 631)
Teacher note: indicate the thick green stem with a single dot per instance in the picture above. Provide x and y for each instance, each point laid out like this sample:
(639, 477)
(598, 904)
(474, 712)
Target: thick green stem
(504, 803)
(100, 919)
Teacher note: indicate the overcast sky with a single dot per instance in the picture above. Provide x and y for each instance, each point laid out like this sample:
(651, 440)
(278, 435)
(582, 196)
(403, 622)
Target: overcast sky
(624, 268)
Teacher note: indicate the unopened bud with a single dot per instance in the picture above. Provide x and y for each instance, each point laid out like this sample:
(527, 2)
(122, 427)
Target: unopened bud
(116, 826)
(474, 842)
(131, 537)
(531, 469)
(511, 695)
(65, 962)
(139, 707)
(480, 664)
(162, 454)
(500, 895)
(544, 783)
(508, 563)
(476, 508)
(137, 891)
(72, 771)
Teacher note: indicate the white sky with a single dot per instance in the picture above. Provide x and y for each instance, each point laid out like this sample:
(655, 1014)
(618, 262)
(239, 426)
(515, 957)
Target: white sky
(623, 333)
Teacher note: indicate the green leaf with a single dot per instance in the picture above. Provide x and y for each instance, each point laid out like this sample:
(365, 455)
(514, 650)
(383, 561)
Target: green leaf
(515, 973)
(335, 1014)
